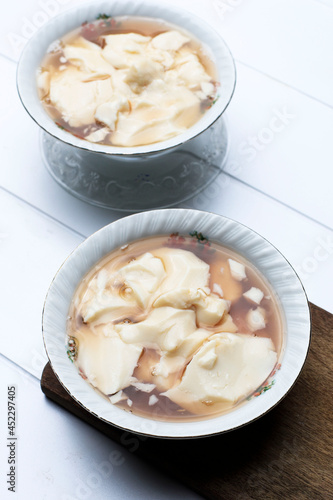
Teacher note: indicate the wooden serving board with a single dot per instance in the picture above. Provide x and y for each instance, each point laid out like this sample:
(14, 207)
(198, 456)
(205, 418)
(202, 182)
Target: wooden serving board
(286, 454)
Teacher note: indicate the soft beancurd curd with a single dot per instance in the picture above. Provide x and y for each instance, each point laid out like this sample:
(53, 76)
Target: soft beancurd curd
(175, 328)
(127, 81)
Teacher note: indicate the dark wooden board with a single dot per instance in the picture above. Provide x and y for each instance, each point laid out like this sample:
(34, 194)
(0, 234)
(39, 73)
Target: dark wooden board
(287, 454)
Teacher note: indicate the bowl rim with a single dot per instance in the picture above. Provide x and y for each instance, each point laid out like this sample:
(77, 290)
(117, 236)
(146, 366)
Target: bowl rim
(24, 86)
(158, 429)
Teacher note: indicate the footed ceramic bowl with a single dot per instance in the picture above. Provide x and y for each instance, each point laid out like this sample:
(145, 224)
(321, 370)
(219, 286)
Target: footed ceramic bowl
(264, 256)
(108, 176)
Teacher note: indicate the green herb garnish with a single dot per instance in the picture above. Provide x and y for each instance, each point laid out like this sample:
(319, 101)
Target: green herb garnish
(200, 237)
(72, 349)
(102, 16)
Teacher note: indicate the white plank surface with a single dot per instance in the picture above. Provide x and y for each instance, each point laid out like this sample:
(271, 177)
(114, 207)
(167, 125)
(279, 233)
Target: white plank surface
(281, 144)
(59, 457)
(288, 40)
(32, 248)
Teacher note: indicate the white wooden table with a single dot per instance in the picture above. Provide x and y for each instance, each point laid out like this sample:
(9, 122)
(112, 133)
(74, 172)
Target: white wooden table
(278, 180)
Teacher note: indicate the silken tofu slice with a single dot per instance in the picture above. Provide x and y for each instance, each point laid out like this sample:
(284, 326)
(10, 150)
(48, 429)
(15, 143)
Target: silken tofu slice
(227, 368)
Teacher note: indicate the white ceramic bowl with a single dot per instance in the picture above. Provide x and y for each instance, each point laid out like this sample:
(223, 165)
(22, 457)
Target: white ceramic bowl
(71, 19)
(217, 228)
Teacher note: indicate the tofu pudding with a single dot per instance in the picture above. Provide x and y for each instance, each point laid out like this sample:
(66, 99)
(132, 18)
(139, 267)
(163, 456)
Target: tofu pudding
(127, 81)
(175, 328)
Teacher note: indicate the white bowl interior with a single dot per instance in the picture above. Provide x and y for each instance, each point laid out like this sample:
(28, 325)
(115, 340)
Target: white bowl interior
(219, 229)
(67, 21)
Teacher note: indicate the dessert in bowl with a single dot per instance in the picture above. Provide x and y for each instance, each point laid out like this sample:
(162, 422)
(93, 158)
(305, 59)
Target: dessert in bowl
(128, 63)
(178, 321)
